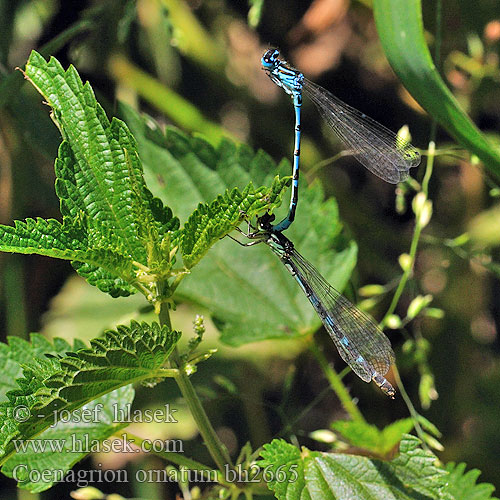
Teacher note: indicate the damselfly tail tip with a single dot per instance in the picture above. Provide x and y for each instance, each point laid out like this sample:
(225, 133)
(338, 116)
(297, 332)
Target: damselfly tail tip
(384, 385)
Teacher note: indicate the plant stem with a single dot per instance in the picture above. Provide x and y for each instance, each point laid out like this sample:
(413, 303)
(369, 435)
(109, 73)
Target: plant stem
(336, 384)
(215, 446)
(406, 274)
(414, 241)
(415, 416)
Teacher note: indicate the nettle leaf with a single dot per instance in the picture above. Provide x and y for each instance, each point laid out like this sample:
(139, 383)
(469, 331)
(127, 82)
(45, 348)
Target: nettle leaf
(45, 237)
(265, 285)
(67, 442)
(253, 279)
(184, 171)
(462, 485)
(100, 183)
(50, 385)
(368, 437)
(19, 352)
(211, 222)
(230, 281)
(302, 474)
(71, 241)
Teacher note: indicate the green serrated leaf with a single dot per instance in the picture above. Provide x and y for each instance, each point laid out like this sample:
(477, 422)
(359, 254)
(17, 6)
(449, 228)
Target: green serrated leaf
(368, 437)
(294, 474)
(50, 385)
(44, 237)
(282, 458)
(100, 183)
(76, 242)
(463, 485)
(211, 222)
(64, 444)
(134, 353)
(253, 279)
(184, 171)
(18, 352)
(230, 281)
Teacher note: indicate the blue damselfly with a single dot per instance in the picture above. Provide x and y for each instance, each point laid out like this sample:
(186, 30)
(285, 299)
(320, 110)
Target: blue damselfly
(384, 153)
(360, 342)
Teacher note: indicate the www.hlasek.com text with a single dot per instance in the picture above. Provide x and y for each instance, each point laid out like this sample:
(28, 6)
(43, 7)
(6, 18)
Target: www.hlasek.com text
(83, 443)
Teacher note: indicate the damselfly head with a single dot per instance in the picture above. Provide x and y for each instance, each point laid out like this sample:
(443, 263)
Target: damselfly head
(264, 222)
(270, 58)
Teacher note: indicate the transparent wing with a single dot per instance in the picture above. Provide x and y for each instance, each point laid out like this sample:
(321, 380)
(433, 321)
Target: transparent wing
(377, 148)
(360, 342)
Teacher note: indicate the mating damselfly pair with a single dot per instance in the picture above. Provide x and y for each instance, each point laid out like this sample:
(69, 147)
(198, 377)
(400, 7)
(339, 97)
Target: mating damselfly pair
(360, 342)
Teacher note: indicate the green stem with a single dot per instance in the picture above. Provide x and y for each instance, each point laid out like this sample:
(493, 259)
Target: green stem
(425, 188)
(163, 373)
(415, 416)
(164, 316)
(336, 384)
(430, 162)
(215, 446)
(414, 242)
(406, 274)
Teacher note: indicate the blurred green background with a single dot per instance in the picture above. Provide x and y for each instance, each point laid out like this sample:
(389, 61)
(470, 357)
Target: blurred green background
(197, 65)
